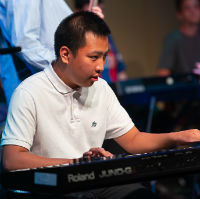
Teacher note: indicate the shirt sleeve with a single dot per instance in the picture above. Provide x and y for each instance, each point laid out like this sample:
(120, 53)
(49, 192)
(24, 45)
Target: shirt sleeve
(118, 120)
(168, 53)
(21, 120)
(25, 24)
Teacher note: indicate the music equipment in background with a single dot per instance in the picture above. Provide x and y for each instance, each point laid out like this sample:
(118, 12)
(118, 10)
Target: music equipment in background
(22, 70)
(10, 50)
(149, 90)
(175, 87)
(122, 169)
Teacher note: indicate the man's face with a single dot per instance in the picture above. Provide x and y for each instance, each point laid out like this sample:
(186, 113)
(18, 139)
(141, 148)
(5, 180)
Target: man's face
(190, 12)
(85, 68)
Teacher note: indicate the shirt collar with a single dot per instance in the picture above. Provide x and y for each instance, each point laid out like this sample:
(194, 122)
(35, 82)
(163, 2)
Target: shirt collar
(58, 84)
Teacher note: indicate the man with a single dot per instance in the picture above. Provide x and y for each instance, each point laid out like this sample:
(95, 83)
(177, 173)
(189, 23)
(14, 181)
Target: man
(66, 110)
(181, 51)
(114, 68)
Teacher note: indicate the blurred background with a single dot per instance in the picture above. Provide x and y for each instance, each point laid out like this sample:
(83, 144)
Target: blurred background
(138, 28)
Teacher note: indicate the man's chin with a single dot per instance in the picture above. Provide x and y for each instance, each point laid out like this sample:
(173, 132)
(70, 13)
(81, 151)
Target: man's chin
(89, 84)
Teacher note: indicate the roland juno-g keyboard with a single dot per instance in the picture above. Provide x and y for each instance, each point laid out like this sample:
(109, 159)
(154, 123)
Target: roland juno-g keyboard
(97, 173)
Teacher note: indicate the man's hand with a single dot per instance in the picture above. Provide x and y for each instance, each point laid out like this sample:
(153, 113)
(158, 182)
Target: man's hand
(186, 137)
(163, 72)
(135, 141)
(97, 152)
(98, 11)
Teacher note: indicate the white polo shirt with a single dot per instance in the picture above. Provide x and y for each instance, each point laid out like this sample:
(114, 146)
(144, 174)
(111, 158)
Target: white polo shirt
(50, 119)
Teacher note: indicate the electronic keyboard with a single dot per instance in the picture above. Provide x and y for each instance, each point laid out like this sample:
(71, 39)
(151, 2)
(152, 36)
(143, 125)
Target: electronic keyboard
(174, 87)
(88, 174)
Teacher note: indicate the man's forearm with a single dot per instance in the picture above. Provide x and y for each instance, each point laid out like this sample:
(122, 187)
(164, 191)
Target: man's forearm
(13, 160)
(135, 141)
(149, 142)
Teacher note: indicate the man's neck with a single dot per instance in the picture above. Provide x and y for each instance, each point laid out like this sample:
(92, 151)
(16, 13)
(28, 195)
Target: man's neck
(58, 68)
(189, 30)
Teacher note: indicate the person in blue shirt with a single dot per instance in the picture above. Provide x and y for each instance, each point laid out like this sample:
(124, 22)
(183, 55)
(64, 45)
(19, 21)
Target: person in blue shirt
(114, 68)
(30, 24)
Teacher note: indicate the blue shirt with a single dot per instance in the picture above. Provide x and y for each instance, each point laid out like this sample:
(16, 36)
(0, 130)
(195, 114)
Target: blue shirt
(30, 24)
(114, 63)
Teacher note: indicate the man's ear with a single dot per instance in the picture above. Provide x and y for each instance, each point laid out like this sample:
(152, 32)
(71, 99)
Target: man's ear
(65, 54)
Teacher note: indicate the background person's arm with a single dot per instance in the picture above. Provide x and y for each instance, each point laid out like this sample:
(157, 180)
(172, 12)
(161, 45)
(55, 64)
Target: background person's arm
(26, 21)
(168, 56)
(162, 72)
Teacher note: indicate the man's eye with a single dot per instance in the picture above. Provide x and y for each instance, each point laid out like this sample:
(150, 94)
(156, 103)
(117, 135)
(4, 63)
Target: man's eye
(94, 58)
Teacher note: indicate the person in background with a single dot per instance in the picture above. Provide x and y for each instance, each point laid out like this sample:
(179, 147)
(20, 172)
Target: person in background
(29, 24)
(181, 55)
(115, 68)
(181, 50)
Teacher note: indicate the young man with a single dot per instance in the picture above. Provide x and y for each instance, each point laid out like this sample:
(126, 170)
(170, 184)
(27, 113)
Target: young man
(66, 110)
(181, 51)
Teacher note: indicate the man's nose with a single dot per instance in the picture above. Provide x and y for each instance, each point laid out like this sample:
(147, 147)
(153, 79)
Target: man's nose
(100, 66)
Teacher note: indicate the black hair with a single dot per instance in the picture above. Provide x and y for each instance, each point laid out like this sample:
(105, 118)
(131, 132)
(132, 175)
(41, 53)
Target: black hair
(71, 31)
(178, 4)
(78, 4)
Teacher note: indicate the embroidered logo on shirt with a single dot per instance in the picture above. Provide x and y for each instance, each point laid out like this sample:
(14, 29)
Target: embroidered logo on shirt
(94, 124)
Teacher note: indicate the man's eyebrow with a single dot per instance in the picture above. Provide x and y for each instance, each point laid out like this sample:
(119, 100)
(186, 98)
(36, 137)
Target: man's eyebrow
(101, 53)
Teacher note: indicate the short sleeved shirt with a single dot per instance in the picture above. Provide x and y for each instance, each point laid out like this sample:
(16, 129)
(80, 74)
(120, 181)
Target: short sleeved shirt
(52, 120)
